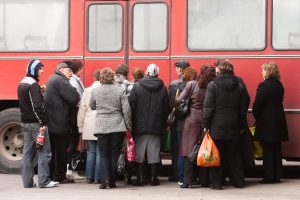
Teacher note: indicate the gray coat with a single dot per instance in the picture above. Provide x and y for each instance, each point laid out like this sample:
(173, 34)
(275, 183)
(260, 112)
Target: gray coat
(113, 111)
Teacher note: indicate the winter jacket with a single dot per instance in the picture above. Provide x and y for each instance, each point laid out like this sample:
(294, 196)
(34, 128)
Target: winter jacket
(225, 109)
(86, 118)
(31, 102)
(113, 111)
(149, 106)
(271, 125)
(175, 85)
(60, 98)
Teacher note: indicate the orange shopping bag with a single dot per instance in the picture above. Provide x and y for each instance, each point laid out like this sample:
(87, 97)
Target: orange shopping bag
(208, 155)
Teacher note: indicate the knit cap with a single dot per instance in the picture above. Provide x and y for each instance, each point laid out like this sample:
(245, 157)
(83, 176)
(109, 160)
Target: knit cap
(152, 70)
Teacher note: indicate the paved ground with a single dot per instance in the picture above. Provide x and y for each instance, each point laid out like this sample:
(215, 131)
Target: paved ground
(11, 189)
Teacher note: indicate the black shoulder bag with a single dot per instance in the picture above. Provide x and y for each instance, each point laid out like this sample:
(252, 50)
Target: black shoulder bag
(183, 107)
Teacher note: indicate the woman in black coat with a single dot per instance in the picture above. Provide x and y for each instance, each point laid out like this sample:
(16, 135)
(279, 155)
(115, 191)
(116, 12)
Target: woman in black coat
(271, 126)
(224, 114)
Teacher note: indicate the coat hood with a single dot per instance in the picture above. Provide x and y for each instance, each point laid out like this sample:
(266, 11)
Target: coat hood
(227, 82)
(151, 83)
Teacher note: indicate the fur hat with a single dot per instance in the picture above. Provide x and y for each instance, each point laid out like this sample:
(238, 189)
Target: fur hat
(33, 68)
(152, 70)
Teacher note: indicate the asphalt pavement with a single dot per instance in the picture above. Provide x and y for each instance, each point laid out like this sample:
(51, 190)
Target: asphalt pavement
(11, 189)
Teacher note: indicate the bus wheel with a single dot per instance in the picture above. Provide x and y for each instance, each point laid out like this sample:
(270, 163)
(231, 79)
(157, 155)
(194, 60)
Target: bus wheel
(11, 141)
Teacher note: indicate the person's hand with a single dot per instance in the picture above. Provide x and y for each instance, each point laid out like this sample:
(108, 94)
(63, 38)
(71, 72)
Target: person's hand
(43, 88)
(42, 129)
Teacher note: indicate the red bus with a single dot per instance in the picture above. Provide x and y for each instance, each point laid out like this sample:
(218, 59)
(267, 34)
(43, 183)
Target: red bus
(104, 33)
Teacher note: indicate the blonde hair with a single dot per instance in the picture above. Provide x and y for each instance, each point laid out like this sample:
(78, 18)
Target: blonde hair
(271, 70)
(106, 76)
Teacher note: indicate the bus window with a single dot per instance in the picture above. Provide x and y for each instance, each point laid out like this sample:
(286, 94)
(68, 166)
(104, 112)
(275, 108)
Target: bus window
(30, 25)
(105, 28)
(150, 27)
(286, 26)
(226, 25)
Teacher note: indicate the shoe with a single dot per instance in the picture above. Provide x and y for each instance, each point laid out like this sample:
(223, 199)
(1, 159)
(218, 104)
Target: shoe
(66, 181)
(112, 185)
(264, 181)
(102, 186)
(90, 180)
(128, 181)
(215, 187)
(33, 185)
(137, 182)
(73, 175)
(185, 185)
(180, 183)
(155, 182)
(277, 181)
(51, 184)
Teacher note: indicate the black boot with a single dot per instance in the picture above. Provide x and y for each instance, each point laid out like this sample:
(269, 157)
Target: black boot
(139, 175)
(154, 172)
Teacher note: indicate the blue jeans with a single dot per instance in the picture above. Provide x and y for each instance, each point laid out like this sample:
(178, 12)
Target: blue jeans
(180, 159)
(93, 169)
(31, 130)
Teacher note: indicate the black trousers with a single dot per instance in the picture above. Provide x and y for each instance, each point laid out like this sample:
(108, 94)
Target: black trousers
(74, 137)
(58, 164)
(110, 149)
(193, 172)
(72, 146)
(188, 171)
(230, 156)
(174, 153)
(272, 161)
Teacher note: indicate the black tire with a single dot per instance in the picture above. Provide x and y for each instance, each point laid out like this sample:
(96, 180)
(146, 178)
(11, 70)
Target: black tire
(11, 139)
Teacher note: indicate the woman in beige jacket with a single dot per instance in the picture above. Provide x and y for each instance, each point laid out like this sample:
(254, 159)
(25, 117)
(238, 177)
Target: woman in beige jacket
(86, 124)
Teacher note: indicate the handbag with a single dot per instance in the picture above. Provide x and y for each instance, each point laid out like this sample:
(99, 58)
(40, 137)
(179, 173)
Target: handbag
(78, 161)
(183, 106)
(130, 149)
(171, 121)
(208, 155)
(121, 163)
(257, 147)
(193, 155)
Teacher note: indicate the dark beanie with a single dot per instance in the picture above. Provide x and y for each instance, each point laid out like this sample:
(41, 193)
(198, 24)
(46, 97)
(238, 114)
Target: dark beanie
(33, 68)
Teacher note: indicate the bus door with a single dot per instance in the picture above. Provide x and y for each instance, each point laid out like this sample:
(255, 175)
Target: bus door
(105, 36)
(149, 36)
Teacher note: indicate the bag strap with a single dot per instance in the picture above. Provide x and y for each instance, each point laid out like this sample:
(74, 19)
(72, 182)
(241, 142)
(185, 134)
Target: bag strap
(191, 92)
(175, 99)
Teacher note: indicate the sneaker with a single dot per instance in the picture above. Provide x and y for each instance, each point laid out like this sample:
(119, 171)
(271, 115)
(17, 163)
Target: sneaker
(51, 184)
(73, 175)
(180, 183)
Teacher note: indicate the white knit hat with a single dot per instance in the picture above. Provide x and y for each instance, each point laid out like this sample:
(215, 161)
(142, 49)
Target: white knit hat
(152, 70)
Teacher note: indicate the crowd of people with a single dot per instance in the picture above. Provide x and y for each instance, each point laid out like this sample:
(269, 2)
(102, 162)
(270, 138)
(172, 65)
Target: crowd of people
(102, 113)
